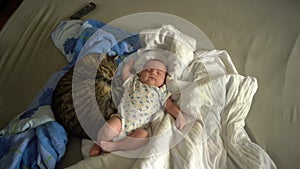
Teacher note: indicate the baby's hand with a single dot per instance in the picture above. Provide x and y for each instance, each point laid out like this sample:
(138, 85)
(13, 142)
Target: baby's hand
(180, 121)
(126, 69)
(129, 64)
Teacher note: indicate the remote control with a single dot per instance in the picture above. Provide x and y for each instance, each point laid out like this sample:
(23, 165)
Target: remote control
(83, 11)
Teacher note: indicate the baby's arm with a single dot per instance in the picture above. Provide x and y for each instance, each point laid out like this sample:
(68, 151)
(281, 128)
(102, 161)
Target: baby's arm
(126, 69)
(174, 110)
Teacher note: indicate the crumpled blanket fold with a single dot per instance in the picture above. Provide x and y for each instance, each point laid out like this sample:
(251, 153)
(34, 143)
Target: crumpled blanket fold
(40, 147)
(71, 36)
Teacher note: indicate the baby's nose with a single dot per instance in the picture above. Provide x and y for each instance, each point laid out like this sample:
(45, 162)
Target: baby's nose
(153, 71)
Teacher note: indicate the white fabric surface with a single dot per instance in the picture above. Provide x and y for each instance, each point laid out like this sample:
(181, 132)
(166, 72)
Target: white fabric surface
(217, 108)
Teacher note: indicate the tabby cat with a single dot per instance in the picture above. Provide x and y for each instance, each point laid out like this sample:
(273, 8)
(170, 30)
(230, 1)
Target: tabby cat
(78, 84)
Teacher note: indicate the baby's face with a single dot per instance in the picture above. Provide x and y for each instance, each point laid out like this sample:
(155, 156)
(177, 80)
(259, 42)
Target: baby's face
(153, 77)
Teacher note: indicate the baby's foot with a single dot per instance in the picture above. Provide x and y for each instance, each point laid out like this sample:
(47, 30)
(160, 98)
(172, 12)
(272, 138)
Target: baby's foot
(108, 146)
(95, 150)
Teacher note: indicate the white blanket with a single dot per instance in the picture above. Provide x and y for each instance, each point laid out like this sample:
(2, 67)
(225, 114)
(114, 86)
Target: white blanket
(217, 100)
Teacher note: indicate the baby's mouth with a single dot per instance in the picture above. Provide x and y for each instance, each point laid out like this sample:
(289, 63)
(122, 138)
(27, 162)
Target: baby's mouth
(152, 78)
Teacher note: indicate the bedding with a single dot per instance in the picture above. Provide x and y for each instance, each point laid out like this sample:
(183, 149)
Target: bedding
(261, 37)
(23, 136)
(33, 138)
(210, 106)
(40, 147)
(218, 109)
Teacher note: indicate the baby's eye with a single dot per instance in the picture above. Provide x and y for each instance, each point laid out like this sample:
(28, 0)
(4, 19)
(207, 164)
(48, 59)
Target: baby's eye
(160, 72)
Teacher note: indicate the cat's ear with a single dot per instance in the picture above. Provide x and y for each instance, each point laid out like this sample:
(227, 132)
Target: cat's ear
(114, 57)
(105, 56)
(111, 58)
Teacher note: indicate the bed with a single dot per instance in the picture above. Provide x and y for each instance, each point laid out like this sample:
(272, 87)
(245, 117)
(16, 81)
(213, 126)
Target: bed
(256, 42)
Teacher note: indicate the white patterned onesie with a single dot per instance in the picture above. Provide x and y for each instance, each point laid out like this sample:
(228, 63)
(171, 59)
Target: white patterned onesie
(140, 104)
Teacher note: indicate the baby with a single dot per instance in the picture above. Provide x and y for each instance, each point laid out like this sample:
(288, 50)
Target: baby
(144, 96)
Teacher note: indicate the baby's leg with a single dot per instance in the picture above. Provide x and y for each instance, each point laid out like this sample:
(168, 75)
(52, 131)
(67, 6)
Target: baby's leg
(135, 140)
(106, 133)
(110, 129)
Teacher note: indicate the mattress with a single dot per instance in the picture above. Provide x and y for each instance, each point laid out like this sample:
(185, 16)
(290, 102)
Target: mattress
(262, 38)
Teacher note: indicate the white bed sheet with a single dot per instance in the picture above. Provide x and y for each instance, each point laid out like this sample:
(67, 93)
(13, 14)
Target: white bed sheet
(262, 37)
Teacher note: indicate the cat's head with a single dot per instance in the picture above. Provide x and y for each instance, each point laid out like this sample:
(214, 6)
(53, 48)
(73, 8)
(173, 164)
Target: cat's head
(108, 66)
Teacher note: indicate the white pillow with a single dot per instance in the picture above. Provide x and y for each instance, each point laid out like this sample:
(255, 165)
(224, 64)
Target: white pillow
(170, 46)
(175, 65)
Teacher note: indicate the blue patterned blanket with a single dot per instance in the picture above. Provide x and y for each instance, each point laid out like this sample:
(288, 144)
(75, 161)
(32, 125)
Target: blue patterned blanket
(33, 139)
